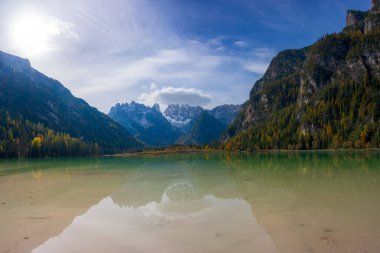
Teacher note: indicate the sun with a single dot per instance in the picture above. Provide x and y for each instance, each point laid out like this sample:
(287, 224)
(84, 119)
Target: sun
(30, 34)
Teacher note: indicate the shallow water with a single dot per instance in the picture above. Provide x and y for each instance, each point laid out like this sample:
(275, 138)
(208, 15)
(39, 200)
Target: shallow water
(299, 202)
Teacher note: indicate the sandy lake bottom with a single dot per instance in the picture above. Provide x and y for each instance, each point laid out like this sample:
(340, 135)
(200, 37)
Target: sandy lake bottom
(189, 203)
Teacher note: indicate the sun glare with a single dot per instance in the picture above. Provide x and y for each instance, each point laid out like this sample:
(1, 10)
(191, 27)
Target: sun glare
(30, 34)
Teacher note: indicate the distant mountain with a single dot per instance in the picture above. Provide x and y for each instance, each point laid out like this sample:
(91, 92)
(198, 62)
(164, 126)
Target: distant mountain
(182, 116)
(195, 122)
(226, 114)
(157, 129)
(145, 123)
(204, 130)
(28, 94)
(323, 96)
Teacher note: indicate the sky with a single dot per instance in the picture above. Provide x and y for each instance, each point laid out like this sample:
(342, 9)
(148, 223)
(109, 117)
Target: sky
(197, 52)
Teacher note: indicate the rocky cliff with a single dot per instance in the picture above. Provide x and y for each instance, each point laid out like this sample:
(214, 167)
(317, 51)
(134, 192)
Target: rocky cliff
(365, 21)
(325, 95)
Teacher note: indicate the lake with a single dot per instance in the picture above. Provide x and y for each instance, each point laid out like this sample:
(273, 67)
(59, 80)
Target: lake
(292, 202)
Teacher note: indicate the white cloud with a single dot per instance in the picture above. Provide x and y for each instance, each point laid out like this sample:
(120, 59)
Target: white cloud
(264, 53)
(192, 61)
(172, 95)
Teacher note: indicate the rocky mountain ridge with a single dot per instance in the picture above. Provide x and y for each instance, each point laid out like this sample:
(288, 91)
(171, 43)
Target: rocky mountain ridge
(145, 123)
(175, 124)
(322, 96)
(366, 21)
(182, 116)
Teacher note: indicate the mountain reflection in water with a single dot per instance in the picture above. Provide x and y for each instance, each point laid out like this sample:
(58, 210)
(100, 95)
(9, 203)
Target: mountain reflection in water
(208, 224)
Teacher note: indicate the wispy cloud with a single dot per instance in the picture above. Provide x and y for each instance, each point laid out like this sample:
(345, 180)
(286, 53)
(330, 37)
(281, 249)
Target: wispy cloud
(257, 67)
(264, 53)
(241, 44)
(259, 61)
(189, 62)
(61, 28)
(276, 14)
(192, 64)
(115, 51)
(91, 20)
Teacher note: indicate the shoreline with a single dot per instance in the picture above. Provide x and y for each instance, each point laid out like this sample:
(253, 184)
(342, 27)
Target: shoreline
(163, 152)
(174, 152)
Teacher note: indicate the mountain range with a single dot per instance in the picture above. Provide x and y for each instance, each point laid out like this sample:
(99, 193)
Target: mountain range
(178, 124)
(39, 116)
(145, 123)
(323, 96)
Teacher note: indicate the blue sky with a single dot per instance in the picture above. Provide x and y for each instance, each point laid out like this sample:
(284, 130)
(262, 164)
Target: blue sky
(167, 51)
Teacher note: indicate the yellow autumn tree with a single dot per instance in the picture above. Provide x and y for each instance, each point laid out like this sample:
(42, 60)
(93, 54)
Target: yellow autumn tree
(37, 143)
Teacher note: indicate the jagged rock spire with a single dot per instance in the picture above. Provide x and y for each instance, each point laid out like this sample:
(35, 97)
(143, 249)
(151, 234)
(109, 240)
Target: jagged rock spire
(375, 3)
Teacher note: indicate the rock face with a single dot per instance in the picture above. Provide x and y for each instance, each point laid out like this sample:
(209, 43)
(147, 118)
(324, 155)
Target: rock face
(355, 18)
(365, 21)
(372, 21)
(35, 97)
(279, 84)
(296, 101)
(145, 123)
(375, 4)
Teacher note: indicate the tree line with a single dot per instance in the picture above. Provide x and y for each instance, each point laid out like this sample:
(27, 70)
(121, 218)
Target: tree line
(23, 138)
(344, 115)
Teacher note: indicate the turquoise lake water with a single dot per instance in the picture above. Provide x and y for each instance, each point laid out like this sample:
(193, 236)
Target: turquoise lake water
(292, 202)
